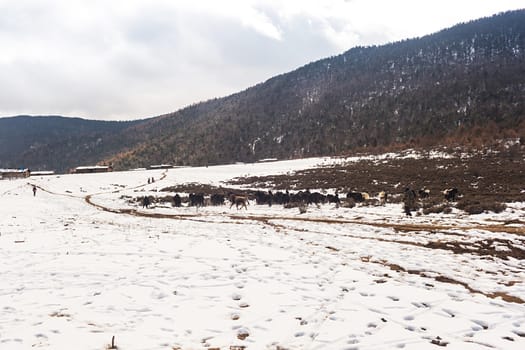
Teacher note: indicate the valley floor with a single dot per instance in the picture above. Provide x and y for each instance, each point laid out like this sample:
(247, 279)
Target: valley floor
(80, 264)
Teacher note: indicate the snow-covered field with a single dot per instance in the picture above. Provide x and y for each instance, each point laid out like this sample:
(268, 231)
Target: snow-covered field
(74, 275)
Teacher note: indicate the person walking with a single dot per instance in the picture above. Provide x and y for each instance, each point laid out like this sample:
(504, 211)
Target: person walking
(145, 202)
(409, 201)
(34, 190)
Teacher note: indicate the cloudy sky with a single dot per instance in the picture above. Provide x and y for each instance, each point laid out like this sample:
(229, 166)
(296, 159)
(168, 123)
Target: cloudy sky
(129, 59)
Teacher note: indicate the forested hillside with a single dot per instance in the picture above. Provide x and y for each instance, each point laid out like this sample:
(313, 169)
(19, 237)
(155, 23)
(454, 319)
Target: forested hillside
(464, 85)
(56, 143)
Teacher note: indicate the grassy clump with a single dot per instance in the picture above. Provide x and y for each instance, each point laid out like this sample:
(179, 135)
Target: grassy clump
(436, 209)
(476, 206)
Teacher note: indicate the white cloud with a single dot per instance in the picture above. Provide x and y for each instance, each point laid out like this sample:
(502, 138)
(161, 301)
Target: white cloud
(136, 58)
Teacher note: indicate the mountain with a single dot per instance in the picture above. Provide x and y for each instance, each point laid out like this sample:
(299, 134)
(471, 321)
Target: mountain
(462, 85)
(55, 142)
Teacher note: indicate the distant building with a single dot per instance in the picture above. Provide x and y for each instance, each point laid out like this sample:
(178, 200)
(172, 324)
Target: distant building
(161, 166)
(14, 173)
(42, 173)
(92, 169)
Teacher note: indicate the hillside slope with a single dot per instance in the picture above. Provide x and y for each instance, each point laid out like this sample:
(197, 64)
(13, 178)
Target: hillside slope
(465, 83)
(55, 142)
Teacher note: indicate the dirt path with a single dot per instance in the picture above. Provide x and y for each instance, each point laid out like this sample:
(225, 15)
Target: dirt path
(395, 226)
(482, 247)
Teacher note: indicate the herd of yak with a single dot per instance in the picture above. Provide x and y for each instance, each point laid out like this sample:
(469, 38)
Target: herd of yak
(287, 199)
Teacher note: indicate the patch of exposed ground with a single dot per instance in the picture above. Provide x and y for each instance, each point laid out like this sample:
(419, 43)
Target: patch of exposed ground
(481, 178)
(439, 278)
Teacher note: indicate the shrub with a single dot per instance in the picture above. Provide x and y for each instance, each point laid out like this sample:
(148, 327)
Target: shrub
(477, 206)
(436, 209)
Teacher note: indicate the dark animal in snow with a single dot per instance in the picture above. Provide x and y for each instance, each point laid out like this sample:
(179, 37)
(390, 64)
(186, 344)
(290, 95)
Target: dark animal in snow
(451, 194)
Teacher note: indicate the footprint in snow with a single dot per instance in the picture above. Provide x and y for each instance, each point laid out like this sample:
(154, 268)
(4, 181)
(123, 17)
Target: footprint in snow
(353, 341)
(519, 333)
(480, 325)
(420, 305)
(449, 312)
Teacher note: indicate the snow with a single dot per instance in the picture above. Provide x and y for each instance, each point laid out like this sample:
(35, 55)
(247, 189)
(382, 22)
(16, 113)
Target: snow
(74, 276)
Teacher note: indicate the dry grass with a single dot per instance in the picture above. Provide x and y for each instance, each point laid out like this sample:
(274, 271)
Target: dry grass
(485, 179)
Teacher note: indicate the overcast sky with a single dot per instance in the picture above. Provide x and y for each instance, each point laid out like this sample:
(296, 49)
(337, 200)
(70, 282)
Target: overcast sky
(129, 59)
